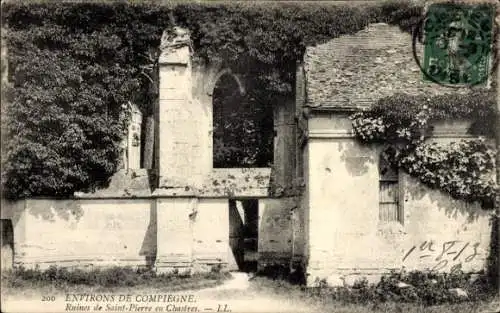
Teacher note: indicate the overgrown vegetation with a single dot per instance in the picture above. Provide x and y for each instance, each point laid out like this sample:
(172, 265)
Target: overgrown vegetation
(73, 67)
(423, 287)
(115, 277)
(238, 118)
(426, 287)
(462, 169)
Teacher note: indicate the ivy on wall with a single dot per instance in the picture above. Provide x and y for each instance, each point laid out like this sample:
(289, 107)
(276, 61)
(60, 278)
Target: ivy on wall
(462, 169)
(72, 71)
(73, 66)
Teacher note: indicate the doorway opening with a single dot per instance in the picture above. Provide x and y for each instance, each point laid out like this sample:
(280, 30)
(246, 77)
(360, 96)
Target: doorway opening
(244, 233)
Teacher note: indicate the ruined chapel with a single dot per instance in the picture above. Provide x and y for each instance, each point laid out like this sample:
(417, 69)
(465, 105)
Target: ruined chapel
(324, 204)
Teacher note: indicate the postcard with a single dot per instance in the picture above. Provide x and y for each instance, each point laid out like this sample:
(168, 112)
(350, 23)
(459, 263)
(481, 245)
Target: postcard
(237, 156)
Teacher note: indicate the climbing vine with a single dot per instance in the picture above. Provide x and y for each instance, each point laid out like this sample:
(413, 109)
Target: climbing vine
(463, 169)
(74, 65)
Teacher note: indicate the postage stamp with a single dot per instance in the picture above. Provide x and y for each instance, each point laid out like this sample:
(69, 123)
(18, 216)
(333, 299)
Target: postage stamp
(458, 43)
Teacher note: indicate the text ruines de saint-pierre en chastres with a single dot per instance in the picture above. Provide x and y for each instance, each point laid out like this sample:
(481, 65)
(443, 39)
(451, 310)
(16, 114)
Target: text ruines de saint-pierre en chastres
(144, 298)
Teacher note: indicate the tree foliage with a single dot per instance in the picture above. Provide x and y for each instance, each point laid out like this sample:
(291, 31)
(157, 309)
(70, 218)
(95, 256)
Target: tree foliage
(242, 127)
(74, 66)
(72, 69)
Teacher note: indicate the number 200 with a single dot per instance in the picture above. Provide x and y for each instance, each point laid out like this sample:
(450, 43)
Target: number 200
(48, 298)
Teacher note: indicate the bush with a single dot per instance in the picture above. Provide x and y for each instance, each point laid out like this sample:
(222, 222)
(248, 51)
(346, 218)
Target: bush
(433, 288)
(426, 287)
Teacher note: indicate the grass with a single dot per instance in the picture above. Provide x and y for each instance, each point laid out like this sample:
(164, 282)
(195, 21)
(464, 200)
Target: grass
(58, 280)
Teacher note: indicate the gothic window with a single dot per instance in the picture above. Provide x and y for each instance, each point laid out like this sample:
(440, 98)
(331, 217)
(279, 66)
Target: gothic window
(242, 127)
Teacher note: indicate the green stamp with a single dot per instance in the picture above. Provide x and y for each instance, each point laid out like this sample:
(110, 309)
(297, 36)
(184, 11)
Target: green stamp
(458, 42)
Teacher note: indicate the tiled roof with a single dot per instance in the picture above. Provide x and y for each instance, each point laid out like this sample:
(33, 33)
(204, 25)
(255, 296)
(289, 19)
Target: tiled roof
(357, 70)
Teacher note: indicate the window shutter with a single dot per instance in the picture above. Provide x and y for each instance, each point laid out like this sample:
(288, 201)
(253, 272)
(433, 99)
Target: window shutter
(389, 208)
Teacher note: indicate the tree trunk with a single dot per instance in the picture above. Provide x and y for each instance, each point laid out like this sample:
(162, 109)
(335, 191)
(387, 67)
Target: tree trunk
(149, 120)
(149, 138)
(497, 165)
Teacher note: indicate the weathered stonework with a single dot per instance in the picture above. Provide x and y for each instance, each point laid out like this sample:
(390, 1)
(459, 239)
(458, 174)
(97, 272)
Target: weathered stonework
(133, 183)
(82, 233)
(132, 141)
(174, 233)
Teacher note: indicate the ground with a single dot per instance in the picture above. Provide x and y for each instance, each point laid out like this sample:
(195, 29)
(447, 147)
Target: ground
(241, 293)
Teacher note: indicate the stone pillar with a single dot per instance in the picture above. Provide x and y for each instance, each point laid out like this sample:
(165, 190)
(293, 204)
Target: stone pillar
(180, 144)
(284, 167)
(211, 234)
(175, 234)
(275, 231)
(132, 143)
(179, 157)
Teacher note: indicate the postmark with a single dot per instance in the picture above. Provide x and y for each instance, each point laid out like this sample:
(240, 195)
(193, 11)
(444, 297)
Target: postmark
(458, 43)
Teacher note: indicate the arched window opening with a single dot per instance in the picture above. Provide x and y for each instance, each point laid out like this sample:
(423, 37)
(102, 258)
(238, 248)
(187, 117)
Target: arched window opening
(242, 127)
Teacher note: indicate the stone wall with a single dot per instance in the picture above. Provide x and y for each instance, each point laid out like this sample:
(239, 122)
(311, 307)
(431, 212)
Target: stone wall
(347, 240)
(167, 233)
(130, 224)
(83, 233)
(279, 242)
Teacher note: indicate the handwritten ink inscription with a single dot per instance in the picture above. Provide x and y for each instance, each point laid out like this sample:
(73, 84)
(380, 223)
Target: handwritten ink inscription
(444, 254)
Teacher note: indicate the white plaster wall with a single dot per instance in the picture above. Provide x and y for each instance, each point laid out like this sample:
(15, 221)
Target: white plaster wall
(175, 233)
(211, 233)
(84, 233)
(343, 212)
(445, 232)
(346, 239)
